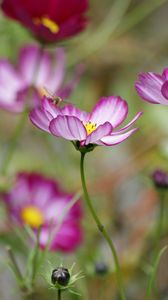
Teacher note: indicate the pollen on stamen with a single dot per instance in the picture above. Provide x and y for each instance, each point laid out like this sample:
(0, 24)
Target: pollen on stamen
(48, 23)
(90, 127)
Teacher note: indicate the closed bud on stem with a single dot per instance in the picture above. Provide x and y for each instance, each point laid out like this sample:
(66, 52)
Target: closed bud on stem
(160, 179)
(61, 276)
(101, 268)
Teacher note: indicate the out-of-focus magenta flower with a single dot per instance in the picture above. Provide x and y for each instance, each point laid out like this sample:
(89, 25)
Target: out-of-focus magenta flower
(97, 127)
(24, 86)
(50, 21)
(153, 87)
(38, 201)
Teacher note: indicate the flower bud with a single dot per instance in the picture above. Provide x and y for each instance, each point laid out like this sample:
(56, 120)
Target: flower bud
(61, 276)
(101, 268)
(160, 179)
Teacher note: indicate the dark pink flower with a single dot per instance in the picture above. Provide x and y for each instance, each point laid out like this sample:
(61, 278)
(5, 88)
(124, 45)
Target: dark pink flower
(97, 127)
(50, 21)
(24, 86)
(38, 201)
(153, 87)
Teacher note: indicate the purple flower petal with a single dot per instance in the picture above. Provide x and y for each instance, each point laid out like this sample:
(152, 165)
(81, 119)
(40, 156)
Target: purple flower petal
(165, 74)
(129, 124)
(116, 139)
(58, 71)
(71, 110)
(99, 133)
(164, 90)
(49, 106)
(68, 127)
(40, 119)
(35, 65)
(10, 84)
(109, 109)
(149, 88)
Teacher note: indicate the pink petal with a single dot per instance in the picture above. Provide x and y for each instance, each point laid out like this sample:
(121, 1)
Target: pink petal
(149, 88)
(58, 71)
(116, 139)
(71, 110)
(39, 118)
(99, 133)
(68, 127)
(129, 124)
(164, 90)
(165, 74)
(49, 106)
(109, 109)
(10, 84)
(34, 65)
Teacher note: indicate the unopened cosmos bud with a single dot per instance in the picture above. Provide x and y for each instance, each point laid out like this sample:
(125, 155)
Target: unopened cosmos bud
(61, 276)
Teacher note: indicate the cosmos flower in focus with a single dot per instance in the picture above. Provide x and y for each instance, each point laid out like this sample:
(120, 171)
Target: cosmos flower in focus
(38, 201)
(153, 87)
(97, 127)
(24, 86)
(50, 21)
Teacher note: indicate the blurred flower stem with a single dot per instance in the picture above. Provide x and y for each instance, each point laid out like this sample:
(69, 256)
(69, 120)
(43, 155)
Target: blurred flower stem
(13, 143)
(102, 229)
(160, 219)
(59, 294)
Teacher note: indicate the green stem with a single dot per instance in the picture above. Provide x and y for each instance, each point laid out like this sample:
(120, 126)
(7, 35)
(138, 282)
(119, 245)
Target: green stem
(59, 294)
(160, 217)
(102, 229)
(13, 143)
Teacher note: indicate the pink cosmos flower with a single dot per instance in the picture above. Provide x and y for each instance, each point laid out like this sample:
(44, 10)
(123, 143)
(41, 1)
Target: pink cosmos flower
(38, 201)
(51, 20)
(24, 86)
(96, 128)
(153, 87)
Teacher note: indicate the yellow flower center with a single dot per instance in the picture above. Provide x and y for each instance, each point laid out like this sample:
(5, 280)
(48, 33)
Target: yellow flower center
(32, 216)
(90, 127)
(48, 23)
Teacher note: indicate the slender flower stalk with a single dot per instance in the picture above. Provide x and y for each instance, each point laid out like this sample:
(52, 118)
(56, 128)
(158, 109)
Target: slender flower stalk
(59, 294)
(13, 143)
(102, 229)
(160, 219)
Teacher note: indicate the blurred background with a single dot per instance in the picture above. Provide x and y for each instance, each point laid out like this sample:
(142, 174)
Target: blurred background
(123, 38)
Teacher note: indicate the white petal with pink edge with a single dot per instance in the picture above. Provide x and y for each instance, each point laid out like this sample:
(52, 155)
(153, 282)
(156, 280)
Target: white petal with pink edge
(109, 109)
(35, 65)
(116, 139)
(101, 131)
(121, 130)
(57, 71)
(68, 127)
(149, 88)
(39, 118)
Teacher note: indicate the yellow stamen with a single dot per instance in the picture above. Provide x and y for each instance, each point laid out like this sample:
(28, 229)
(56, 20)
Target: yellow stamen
(90, 127)
(48, 23)
(32, 216)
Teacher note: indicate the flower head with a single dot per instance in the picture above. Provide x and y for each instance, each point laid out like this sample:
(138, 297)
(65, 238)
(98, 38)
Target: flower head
(38, 201)
(95, 128)
(61, 276)
(50, 21)
(160, 179)
(153, 87)
(36, 70)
